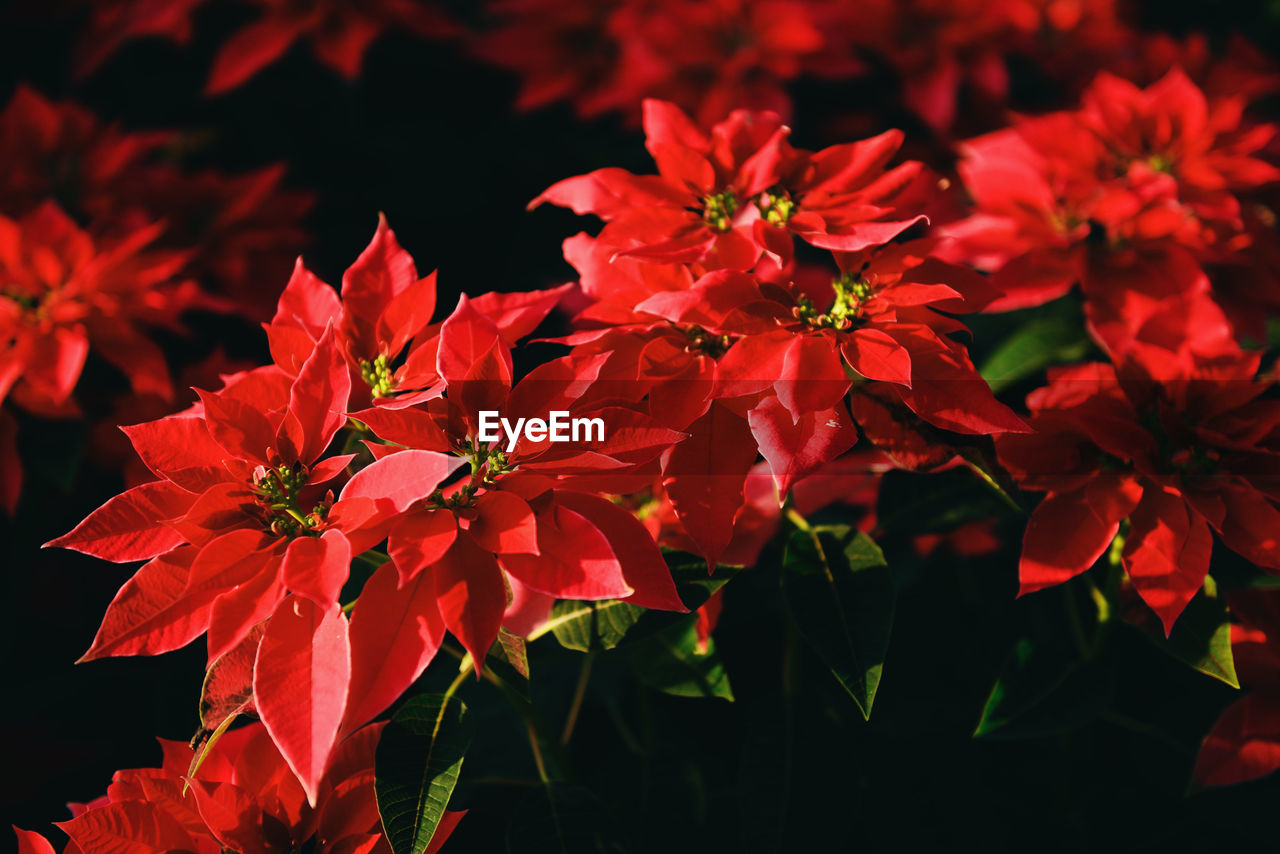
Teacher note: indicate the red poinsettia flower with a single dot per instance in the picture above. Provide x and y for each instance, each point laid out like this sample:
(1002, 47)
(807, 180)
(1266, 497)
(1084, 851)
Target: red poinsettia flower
(711, 191)
(517, 520)
(238, 231)
(716, 56)
(244, 511)
(1123, 196)
(747, 366)
(340, 34)
(383, 321)
(115, 22)
(709, 58)
(243, 229)
(242, 798)
(62, 296)
(59, 150)
(697, 209)
(1176, 455)
(877, 317)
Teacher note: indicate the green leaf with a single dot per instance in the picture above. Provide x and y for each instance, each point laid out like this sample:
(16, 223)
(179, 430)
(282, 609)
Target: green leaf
(672, 662)
(1044, 690)
(840, 593)
(586, 626)
(560, 818)
(416, 766)
(1201, 638)
(1052, 338)
(509, 661)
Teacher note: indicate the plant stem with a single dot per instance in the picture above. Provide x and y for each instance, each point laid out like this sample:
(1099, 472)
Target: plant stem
(522, 705)
(456, 683)
(576, 706)
(537, 752)
(373, 557)
(795, 518)
(990, 481)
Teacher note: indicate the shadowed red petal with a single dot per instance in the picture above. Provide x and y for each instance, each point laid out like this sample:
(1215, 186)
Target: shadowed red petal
(395, 632)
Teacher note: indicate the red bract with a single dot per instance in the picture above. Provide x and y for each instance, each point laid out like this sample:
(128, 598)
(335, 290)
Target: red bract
(238, 231)
(115, 22)
(952, 53)
(792, 344)
(1178, 456)
(61, 296)
(708, 57)
(242, 798)
(382, 318)
(1244, 743)
(61, 150)
(517, 520)
(719, 199)
(243, 513)
(339, 32)
(244, 527)
(1123, 196)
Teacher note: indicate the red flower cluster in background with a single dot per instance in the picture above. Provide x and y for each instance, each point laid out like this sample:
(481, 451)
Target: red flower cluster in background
(769, 335)
(1129, 197)
(104, 243)
(339, 33)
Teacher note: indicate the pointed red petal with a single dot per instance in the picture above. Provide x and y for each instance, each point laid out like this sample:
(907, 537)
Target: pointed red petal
(798, 447)
(471, 596)
(151, 614)
(130, 526)
(504, 524)
(317, 567)
(395, 632)
(318, 398)
(420, 539)
(704, 477)
(300, 685)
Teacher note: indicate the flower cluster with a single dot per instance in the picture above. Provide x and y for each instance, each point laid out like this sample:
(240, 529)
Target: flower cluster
(338, 32)
(102, 243)
(365, 430)
(244, 799)
(1130, 197)
(1048, 350)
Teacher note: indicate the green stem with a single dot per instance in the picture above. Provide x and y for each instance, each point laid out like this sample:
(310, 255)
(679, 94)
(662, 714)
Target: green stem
(463, 673)
(537, 752)
(373, 557)
(522, 705)
(995, 486)
(578, 694)
(296, 514)
(795, 518)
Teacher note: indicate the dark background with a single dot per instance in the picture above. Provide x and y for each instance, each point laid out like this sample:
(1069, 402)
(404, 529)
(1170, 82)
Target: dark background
(427, 136)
